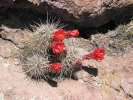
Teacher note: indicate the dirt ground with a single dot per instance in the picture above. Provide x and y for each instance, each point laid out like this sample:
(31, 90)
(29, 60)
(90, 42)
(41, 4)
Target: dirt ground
(110, 79)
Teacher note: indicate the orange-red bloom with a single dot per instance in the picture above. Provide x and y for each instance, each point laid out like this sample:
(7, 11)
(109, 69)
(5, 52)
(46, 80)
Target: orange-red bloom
(56, 67)
(98, 54)
(73, 33)
(58, 47)
(59, 35)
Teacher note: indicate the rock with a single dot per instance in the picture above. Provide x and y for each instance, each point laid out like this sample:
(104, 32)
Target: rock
(7, 48)
(16, 36)
(126, 82)
(83, 76)
(84, 13)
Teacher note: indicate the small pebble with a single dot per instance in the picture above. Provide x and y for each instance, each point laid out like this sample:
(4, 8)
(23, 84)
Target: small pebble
(80, 80)
(6, 64)
(16, 62)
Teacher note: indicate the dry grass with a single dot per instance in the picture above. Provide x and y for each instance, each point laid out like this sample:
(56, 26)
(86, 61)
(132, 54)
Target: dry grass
(115, 42)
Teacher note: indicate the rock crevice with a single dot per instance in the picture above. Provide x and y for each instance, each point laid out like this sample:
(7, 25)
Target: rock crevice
(92, 13)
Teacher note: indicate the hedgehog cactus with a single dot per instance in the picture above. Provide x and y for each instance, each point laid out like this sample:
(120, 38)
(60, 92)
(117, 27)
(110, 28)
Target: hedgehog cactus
(52, 52)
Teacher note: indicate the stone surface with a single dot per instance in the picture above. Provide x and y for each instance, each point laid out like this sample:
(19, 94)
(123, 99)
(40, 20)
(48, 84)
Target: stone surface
(110, 79)
(15, 36)
(113, 84)
(84, 13)
(7, 48)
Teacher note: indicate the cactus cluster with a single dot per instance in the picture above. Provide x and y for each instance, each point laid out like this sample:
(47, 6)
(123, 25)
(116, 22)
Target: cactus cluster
(54, 53)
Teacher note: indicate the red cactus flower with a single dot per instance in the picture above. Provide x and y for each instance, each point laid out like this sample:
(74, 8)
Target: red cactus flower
(64, 51)
(56, 67)
(78, 63)
(58, 47)
(59, 35)
(73, 33)
(98, 54)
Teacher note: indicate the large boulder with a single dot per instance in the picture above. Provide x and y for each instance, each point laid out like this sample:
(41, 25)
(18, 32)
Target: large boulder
(84, 13)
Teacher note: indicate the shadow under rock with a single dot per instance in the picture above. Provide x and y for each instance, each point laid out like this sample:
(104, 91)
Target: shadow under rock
(90, 70)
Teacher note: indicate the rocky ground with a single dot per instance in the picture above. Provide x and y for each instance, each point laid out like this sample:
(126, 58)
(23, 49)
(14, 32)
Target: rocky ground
(110, 79)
